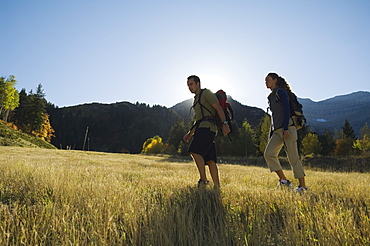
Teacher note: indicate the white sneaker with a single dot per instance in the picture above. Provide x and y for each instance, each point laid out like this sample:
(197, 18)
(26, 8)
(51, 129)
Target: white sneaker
(284, 183)
(301, 189)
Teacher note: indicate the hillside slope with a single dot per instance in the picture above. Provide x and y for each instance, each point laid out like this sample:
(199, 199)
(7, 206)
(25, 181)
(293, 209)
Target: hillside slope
(331, 113)
(11, 137)
(118, 127)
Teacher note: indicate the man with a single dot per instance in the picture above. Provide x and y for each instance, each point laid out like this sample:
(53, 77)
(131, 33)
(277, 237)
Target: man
(202, 148)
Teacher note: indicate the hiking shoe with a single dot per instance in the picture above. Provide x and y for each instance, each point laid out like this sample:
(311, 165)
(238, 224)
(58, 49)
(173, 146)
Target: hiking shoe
(284, 183)
(202, 183)
(300, 189)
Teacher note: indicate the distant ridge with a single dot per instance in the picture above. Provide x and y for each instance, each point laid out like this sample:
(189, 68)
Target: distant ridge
(331, 113)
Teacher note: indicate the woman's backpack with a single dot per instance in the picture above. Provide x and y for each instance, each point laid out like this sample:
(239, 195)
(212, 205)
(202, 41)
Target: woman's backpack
(296, 111)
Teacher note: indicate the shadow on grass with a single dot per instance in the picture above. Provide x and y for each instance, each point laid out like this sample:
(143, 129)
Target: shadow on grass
(191, 216)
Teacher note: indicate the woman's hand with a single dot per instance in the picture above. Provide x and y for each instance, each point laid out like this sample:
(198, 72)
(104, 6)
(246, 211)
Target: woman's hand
(286, 134)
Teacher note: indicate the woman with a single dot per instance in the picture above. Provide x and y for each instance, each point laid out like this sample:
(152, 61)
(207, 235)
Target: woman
(283, 133)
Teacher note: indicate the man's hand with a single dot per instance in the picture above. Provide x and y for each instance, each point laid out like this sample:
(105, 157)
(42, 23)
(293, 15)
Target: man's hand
(187, 137)
(225, 129)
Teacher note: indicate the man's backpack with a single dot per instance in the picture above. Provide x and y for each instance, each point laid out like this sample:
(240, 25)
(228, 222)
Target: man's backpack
(228, 111)
(226, 107)
(296, 111)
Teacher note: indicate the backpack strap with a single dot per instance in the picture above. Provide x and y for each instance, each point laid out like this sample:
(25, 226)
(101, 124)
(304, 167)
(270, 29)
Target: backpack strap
(204, 118)
(202, 106)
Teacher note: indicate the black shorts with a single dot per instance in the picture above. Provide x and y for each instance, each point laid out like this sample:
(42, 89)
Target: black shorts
(203, 144)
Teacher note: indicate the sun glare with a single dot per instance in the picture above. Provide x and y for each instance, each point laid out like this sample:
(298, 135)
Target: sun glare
(214, 82)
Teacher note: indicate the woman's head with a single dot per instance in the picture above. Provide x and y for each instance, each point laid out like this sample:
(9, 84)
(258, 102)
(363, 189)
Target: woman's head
(274, 80)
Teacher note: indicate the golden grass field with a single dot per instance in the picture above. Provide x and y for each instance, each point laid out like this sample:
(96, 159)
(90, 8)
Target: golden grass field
(60, 197)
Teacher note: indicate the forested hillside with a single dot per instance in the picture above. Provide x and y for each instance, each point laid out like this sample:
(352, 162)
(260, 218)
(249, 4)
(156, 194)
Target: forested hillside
(123, 126)
(118, 127)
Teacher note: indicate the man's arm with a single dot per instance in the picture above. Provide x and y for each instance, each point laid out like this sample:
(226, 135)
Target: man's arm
(220, 112)
(189, 134)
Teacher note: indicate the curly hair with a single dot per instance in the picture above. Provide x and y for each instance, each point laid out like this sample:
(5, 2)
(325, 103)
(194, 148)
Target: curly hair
(281, 82)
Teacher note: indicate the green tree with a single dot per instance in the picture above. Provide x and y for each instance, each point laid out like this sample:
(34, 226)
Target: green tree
(347, 131)
(242, 143)
(336, 135)
(327, 143)
(265, 131)
(37, 109)
(246, 135)
(183, 149)
(365, 130)
(177, 133)
(169, 149)
(153, 145)
(9, 96)
(20, 116)
(30, 115)
(311, 144)
(344, 145)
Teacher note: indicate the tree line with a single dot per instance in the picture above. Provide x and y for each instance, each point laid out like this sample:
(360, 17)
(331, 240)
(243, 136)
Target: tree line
(122, 126)
(251, 141)
(25, 111)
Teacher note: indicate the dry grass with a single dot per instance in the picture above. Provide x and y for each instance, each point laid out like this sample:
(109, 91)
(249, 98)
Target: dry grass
(55, 197)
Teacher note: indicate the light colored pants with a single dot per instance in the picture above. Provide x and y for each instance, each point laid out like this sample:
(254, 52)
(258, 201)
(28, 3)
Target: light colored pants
(276, 143)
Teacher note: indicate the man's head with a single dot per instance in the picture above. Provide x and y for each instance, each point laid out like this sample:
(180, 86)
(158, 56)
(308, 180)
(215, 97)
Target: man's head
(194, 84)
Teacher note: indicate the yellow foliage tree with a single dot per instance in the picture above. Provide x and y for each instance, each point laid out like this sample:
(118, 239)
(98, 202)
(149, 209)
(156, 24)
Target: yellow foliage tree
(46, 132)
(153, 145)
(362, 144)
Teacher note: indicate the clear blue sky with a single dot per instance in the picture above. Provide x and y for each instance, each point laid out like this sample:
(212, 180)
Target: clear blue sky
(84, 51)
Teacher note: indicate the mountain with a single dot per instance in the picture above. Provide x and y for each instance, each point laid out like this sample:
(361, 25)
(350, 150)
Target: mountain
(331, 113)
(241, 112)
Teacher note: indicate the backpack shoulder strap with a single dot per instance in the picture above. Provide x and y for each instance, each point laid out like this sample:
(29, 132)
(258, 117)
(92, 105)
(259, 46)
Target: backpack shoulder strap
(201, 105)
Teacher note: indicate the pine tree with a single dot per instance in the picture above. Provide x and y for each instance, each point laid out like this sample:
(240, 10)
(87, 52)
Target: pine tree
(347, 131)
(327, 143)
(20, 113)
(37, 109)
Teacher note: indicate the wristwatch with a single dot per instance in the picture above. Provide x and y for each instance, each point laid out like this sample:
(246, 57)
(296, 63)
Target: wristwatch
(225, 122)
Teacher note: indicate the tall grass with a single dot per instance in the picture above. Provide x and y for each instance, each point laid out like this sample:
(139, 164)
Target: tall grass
(55, 197)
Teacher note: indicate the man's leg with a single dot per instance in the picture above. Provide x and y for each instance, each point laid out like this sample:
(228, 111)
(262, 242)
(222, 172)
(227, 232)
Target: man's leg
(213, 169)
(199, 161)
